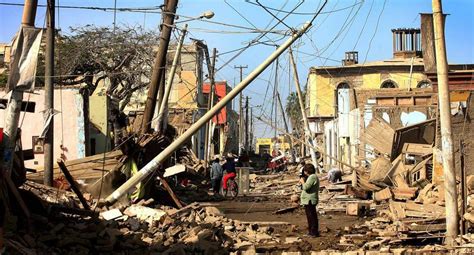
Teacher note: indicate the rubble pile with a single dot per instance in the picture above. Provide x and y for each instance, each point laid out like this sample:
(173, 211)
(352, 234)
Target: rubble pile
(469, 215)
(137, 229)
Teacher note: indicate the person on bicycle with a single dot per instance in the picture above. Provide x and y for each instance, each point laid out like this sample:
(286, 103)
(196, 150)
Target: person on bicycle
(216, 175)
(229, 167)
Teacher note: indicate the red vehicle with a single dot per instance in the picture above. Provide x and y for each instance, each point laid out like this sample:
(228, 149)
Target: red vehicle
(277, 164)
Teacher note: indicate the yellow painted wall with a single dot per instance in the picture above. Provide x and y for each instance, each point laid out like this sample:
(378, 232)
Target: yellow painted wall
(185, 91)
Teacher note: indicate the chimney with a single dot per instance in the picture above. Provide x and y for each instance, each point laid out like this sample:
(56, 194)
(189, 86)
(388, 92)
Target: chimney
(406, 43)
(351, 58)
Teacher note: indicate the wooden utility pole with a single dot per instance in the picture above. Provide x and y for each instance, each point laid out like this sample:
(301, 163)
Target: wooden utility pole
(452, 216)
(247, 131)
(241, 112)
(211, 65)
(12, 113)
(307, 130)
(49, 95)
(159, 65)
(251, 128)
(290, 140)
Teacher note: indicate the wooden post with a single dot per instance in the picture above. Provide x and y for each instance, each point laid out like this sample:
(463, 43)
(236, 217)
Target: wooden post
(170, 191)
(463, 187)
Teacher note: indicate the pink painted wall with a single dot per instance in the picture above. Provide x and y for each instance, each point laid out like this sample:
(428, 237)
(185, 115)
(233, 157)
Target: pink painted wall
(68, 131)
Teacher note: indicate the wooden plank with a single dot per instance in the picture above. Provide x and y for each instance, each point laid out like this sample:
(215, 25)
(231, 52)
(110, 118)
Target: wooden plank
(383, 194)
(355, 192)
(286, 210)
(88, 168)
(404, 193)
(417, 149)
(397, 209)
(426, 208)
(73, 184)
(379, 169)
(379, 134)
(170, 191)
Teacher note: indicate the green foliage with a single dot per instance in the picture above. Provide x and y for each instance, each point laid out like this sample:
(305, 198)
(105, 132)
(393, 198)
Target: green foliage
(3, 80)
(293, 111)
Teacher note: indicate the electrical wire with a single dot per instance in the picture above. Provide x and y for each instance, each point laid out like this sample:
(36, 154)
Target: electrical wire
(304, 13)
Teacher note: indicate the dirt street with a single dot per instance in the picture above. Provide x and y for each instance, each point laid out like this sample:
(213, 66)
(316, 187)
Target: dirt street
(261, 209)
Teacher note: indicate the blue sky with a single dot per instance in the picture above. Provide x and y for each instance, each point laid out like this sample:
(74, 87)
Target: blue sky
(361, 25)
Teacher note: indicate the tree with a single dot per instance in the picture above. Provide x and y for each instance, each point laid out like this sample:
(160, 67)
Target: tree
(293, 110)
(91, 54)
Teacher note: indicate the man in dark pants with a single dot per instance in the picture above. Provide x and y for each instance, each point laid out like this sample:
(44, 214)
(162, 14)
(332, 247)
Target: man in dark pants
(309, 198)
(216, 175)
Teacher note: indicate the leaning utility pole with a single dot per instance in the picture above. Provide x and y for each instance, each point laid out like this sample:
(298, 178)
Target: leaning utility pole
(307, 130)
(12, 113)
(241, 112)
(159, 65)
(162, 118)
(151, 166)
(452, 217)
(290, 140)
(247, 124)
(49, 95)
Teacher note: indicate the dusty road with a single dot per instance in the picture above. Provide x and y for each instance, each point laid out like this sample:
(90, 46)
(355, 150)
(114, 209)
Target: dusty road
(261, 209)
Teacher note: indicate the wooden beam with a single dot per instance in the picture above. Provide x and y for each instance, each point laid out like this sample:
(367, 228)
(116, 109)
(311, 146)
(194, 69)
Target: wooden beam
(73, 184)
(170, 191)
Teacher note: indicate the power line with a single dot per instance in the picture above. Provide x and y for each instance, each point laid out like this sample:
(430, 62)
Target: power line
(303, 13)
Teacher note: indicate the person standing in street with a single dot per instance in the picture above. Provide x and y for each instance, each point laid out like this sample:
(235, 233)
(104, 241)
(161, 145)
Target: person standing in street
(309, 198)
(216, 175)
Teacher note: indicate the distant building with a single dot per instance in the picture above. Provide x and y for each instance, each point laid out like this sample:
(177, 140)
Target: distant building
(4, 56)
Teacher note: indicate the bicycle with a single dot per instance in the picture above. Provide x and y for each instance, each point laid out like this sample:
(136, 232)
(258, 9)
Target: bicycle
(232, 188)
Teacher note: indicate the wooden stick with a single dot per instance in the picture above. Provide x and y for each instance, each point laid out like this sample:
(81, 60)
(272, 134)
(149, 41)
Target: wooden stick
(73, 184)
(170, 191)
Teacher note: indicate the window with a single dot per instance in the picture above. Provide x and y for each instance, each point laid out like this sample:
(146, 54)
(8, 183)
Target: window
(388, 84)
(424, 84)
(343, 85)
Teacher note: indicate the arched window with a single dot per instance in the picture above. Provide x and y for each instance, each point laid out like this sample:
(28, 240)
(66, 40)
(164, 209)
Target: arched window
(343, 100)
(343, 85)
(388, 84)
(424, 84)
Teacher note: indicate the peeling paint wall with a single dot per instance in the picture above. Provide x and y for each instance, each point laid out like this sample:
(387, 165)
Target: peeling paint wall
(68, 124)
